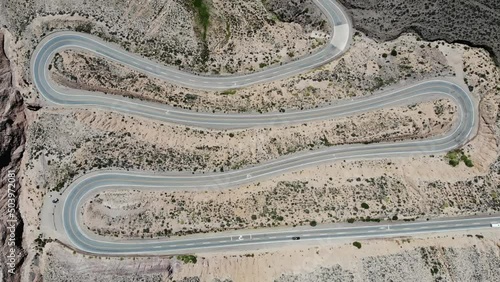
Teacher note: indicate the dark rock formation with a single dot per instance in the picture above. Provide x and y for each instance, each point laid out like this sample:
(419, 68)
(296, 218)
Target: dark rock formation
(473, 22)
(12, 138)
(304, 12)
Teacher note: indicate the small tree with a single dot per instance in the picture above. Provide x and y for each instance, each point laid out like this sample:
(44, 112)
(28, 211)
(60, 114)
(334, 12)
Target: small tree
(313, 223)
(365, 206)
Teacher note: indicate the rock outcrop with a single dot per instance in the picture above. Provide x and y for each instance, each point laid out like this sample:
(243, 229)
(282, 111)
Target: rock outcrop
(476, 23)
(12, 139)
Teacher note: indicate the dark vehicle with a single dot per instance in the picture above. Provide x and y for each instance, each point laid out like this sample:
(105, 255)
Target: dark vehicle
(295, 238)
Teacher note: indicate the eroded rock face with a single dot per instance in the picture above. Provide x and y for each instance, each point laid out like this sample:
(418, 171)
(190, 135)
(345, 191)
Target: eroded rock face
(476, 23)
(12, 139)
(303, 12)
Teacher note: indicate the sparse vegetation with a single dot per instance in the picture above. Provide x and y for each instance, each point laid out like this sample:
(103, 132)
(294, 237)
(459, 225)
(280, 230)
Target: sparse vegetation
(454, 157)
(187, 258)
(203, 13)
(228, 92)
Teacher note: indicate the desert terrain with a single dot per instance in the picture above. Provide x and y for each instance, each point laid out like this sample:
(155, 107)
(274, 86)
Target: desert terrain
(472, 256)
(12, 140)
(398, 189)
(241, 37)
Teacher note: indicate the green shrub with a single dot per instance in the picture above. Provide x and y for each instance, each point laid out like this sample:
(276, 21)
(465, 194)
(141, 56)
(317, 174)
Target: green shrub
(456, 156)
(187, 258)
(357, 244)
(313, 223)
(203, 15)
(229, 92)
(468, 163)
(365, 206)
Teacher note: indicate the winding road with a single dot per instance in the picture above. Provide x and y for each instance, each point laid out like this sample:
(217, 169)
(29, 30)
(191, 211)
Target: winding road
(90, 184)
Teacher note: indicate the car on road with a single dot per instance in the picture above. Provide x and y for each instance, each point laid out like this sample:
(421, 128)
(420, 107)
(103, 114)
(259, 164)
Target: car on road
(295, 238)
(495, 225)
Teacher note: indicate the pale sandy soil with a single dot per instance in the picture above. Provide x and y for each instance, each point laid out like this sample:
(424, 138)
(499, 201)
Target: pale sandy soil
(60, 153)
(64, 143)
(242, 35)
(459, 256)
(402, 187)
(423, 187)
(361, 71)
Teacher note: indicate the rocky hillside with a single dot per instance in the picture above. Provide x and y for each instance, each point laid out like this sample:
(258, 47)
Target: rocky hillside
(214, 36)
(12, 122)
(475, 22)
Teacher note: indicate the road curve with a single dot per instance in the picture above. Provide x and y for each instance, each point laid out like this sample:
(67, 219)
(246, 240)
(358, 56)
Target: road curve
(95, 182)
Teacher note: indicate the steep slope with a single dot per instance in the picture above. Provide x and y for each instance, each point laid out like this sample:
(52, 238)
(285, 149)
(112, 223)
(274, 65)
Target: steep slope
(12, 138)
(475, 22)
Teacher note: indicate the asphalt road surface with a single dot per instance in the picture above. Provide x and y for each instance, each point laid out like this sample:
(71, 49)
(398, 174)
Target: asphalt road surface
(90, 184)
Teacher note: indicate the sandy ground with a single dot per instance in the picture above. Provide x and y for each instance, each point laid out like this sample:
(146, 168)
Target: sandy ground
(165, 147)
(405, 187)
(64, 143)
(366, 68)
(242, 36)
(459, 256)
